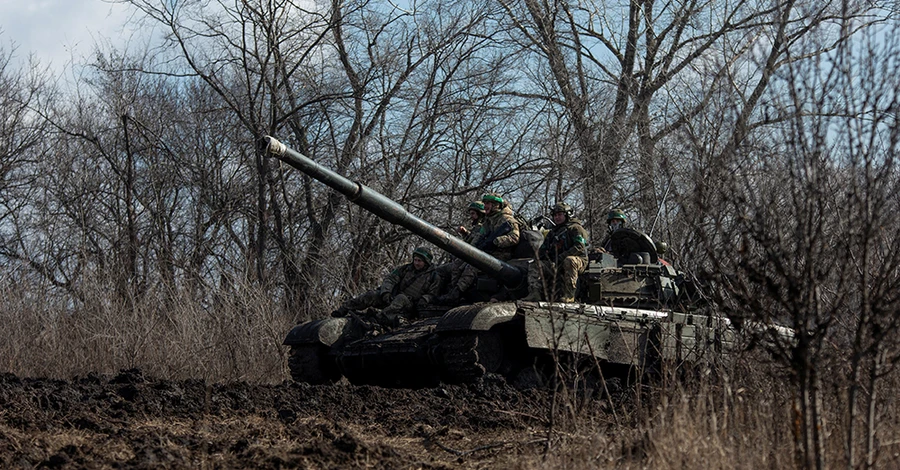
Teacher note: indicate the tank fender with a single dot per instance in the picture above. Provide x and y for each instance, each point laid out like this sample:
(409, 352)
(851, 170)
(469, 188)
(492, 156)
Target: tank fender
(477, 317)
(325, 331)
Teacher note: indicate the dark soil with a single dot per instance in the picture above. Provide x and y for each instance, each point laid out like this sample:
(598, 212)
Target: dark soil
(133, 421)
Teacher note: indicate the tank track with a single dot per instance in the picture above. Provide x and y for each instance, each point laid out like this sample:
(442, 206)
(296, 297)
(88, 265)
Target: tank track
(309, 363)
(467, 357)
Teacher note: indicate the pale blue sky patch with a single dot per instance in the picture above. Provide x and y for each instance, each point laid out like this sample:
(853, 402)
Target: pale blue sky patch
(61, 31)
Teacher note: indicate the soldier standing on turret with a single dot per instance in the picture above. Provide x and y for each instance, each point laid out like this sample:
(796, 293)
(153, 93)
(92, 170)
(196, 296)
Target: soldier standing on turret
(563, 256)
(400, 293)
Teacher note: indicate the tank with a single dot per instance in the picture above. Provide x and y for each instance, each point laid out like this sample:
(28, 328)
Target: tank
(634, 314)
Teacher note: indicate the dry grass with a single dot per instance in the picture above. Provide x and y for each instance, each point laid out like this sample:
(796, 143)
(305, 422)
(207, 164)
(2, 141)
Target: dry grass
(237, 338)
(740, 420)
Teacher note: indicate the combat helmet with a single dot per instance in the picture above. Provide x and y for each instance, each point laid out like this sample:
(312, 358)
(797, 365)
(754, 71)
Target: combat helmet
(616, 214)
(477, 206)
(662, 248)
(564, 208)
(424, 254)
(494, 197)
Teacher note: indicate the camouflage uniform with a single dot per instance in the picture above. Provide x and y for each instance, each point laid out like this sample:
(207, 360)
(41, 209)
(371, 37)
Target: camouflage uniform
(399, 294)
(499, 235)
(476, 216)
(612, 215)
(458, 267)
(562, 257)
(451, 272)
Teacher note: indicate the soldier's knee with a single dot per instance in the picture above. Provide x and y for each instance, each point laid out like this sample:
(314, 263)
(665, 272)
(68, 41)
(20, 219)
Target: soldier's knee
(573, 265)
(402, 303)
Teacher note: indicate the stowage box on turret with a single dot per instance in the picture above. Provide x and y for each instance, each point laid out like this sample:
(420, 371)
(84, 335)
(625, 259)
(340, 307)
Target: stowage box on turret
(633, 313)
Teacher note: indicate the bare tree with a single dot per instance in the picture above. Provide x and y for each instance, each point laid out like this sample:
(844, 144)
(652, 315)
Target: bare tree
(799, 230)
(392, 97)
(629, 75)
(25, 94)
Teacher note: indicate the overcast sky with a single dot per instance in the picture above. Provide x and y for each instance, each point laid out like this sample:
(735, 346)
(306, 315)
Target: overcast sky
(57, 30)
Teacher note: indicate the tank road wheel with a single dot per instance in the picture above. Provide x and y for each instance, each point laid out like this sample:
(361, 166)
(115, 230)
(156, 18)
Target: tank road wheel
(310, 363)
(466, 357)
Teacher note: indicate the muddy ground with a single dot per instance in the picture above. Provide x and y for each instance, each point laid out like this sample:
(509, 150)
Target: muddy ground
(132, 421)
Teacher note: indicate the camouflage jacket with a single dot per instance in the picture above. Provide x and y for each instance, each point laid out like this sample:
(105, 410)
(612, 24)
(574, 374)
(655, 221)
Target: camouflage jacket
(568, 239)
(500, 230)
(474, 232)
(414, 284)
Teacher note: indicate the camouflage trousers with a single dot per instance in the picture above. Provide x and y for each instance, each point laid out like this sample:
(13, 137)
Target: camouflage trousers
(399, 307)
(458, 274)
(544, 276)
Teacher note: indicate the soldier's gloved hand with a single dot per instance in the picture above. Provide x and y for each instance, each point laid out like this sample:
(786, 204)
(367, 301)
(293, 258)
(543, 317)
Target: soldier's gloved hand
(386, 298)
(340, 312)
(423, 302)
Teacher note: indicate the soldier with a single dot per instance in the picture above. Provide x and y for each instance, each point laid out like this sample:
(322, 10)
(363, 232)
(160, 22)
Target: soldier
(562, 256)
(615, 220)
(498, 236)
(405, 288)
(500, 233)
(452, 272)
(476, 219)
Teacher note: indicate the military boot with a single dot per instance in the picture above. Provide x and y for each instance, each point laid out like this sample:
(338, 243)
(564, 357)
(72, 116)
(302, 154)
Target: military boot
(568, 293)
(535, 286)
(534, 294)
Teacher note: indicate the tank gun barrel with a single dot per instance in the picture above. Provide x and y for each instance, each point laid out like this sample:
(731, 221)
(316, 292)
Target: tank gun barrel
(391, 211)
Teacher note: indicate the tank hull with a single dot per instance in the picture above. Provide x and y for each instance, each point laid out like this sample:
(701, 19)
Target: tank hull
(513, 338)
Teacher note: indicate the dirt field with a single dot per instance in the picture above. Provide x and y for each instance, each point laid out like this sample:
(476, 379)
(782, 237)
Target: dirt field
(133, 421)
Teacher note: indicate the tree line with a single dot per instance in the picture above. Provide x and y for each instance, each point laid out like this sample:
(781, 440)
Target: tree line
(756, 138)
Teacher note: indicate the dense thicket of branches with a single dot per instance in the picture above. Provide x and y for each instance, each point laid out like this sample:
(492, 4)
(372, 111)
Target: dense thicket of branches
(756, 138)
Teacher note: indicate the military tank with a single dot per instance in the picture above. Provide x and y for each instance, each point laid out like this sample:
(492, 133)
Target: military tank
(633, 313)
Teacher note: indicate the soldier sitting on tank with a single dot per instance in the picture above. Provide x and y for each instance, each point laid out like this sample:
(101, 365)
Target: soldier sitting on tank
(401, 293)
(452, 272)
(498, 236)
(476, 220)
(561, 259)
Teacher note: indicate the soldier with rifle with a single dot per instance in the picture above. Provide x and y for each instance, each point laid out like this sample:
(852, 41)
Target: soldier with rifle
(561, 259)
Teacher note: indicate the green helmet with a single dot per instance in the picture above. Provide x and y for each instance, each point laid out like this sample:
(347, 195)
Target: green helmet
(562, 207)
(493, 197)
(424, 254)
(476, 206)
(616, 214)
(662, 248)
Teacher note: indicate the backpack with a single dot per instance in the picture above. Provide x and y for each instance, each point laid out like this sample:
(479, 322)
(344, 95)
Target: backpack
(530, 240)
